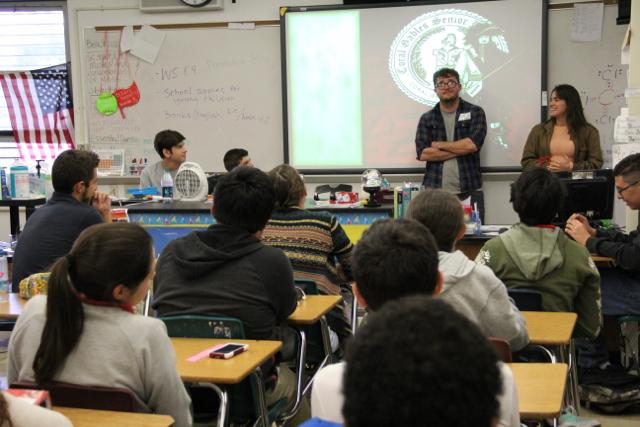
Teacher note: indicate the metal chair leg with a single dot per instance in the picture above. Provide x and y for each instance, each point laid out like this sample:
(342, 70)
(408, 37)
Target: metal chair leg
(223, 408)
(263, 414)
(147, 303)
(354, 315)
(302, 354)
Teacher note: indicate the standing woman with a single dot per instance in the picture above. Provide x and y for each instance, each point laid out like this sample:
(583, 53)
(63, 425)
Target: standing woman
(566, 141)
(84, 331)
(314, 242)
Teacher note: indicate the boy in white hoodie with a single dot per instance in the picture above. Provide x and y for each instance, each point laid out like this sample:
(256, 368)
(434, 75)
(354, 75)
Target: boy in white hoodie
(472, 289)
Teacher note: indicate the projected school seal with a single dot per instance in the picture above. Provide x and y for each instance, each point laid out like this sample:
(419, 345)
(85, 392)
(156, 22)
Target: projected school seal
(451, 38)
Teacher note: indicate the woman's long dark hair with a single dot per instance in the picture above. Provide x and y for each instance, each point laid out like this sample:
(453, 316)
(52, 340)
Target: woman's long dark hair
(102, 257)
(575, 113)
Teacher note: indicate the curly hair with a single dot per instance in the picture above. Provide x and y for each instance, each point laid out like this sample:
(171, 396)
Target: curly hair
(395, 258)
(417, 362)
(537, 196)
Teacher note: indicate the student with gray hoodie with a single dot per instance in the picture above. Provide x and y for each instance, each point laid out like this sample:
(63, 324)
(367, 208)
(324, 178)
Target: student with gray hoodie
(536, 254)
(472, 289)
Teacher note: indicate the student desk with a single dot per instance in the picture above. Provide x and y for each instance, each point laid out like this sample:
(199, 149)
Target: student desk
(310, 310)
(221, 371)
(555, 329)
(550, 328)
(10, 305)
(540, 388)
(95, 418)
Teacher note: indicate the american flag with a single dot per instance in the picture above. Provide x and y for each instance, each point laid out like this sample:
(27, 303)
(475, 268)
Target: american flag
(41, 111)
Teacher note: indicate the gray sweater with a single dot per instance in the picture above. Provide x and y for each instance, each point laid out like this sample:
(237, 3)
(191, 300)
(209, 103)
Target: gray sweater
(475, 292)
(116, 349)
(152, 175)
(24, 413)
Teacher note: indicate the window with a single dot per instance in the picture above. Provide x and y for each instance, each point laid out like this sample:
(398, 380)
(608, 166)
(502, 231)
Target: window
(30, 38)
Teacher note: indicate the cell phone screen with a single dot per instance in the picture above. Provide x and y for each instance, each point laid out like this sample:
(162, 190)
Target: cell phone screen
(229, 348)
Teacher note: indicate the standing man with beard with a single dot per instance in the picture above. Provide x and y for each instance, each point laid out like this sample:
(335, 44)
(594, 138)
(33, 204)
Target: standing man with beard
(75, 205)
(449, 139)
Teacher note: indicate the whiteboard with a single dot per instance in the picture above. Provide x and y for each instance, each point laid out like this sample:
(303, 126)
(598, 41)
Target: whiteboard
(220, 88)
(593, 69)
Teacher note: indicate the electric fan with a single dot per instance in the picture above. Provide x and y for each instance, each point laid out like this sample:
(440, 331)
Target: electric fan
(190, 183)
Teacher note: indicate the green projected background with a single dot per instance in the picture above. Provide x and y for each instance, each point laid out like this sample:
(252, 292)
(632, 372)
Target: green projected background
(323, 69)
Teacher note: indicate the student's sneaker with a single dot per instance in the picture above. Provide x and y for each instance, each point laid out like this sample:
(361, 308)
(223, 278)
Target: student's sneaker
(568, 418)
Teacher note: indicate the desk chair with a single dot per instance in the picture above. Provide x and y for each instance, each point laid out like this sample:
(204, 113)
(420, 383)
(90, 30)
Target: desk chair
(317, 336)
(502, 348)
(249, 390)
(313, 352)
(88, 397)
(146, 307)
(527, 299)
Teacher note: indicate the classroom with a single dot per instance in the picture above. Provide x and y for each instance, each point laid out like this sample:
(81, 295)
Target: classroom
(228, 74)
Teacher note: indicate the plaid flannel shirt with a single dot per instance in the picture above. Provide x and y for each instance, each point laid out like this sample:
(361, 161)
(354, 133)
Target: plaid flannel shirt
(431, 128)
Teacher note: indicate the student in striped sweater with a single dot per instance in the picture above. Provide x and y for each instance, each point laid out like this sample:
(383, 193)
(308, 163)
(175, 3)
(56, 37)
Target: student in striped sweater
(314, 242)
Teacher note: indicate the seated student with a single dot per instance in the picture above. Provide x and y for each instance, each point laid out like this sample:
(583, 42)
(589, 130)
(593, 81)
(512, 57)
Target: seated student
(84, 331)
(470, 288)
(19, 412)
(232, 159)
(314, 242)
(395, 259)
(225, 270)
(620, 284)
(75, 205)
(417, 362)
(172, 149)
(236, 157)
(535, 254)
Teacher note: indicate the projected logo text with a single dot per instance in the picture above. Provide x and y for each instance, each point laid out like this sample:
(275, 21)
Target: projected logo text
(451, 38)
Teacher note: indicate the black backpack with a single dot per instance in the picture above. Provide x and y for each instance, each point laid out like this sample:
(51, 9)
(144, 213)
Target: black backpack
(612, 391)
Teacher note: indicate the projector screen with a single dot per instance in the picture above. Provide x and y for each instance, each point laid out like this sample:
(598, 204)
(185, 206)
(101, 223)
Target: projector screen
(357, 79)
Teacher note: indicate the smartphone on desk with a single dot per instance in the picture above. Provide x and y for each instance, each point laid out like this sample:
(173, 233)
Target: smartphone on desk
(228, 350)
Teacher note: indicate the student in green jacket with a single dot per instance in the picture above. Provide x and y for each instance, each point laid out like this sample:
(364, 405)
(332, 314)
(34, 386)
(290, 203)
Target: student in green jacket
(536, 254)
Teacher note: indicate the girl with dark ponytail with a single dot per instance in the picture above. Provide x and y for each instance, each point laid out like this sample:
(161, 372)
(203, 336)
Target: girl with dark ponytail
(84, 332)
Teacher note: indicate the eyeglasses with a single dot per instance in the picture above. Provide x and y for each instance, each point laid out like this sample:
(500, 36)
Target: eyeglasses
(622, 190)
(448, 83)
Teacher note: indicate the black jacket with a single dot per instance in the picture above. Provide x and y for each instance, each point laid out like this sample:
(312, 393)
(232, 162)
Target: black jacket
(624, 248)
(226, 271)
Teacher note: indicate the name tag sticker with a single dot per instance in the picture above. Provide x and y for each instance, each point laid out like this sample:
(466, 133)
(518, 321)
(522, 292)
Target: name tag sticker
(464, 116)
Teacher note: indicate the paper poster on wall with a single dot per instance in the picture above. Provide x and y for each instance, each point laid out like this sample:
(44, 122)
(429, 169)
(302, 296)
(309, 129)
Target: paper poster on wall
(147, 43)
(620, 151)
(586, 25)
(627, 129)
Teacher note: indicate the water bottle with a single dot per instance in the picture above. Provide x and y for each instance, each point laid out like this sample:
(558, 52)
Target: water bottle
(478, 223)
(19, 179)
(45, 179)
(5, 285)
(167, 186)
(4, 188)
